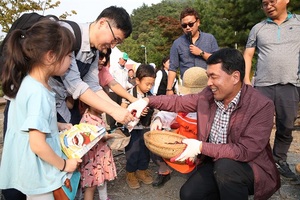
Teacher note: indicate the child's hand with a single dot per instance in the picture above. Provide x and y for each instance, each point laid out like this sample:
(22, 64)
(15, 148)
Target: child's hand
(72, 164)
(145, 111)
(137, 106)
(64, 126)
(106, 137)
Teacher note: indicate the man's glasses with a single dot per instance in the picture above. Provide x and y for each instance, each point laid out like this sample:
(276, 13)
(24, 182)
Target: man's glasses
(266, 4)
(115, 41)
(190, 24)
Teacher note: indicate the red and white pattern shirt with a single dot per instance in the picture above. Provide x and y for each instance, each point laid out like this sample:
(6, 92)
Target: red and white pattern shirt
(218, 132)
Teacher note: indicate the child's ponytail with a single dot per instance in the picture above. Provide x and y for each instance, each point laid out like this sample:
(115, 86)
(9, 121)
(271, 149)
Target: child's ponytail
(15, 66)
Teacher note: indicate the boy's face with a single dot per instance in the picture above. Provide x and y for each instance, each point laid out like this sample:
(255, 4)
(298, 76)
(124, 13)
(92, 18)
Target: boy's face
(145, 84)
(105, 36)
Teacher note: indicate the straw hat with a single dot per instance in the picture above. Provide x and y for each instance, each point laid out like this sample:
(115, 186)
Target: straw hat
(194, 80)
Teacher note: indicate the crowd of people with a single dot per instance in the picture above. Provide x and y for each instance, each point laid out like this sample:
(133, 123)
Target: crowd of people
(225, 114)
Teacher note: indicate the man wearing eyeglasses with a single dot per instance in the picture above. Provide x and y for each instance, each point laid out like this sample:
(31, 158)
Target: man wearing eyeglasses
(81, 82)
(277, 40)
(190, 49)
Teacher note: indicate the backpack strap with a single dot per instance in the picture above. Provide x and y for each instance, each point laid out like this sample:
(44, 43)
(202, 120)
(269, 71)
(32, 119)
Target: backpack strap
(77, 33)
(134, 92)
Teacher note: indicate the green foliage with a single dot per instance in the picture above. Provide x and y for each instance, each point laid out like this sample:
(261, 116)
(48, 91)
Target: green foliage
(157, 26)
(229, 21)
(10, 10)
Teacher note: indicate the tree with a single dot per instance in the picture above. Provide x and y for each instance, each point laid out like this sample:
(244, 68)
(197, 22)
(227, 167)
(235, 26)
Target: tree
(229, 21)
(156, 27)
(10, 10)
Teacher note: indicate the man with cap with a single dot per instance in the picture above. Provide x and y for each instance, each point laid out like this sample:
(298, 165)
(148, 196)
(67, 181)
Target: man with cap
(194, 80)
(120, 74)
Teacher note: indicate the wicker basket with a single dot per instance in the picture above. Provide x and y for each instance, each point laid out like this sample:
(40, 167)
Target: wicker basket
(165, 144)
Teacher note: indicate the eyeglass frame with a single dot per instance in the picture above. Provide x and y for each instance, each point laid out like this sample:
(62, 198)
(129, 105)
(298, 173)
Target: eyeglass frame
(190, 24)
(115, 41)
(266, 4)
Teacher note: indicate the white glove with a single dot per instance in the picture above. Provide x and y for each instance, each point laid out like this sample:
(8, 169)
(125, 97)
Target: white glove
(156, 124)
(192, 149)
(137, 107)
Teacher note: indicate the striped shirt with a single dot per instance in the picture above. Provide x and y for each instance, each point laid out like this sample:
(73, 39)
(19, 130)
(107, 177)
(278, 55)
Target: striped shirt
(218, 132)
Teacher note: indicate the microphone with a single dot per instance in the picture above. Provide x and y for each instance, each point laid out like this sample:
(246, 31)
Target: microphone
(189, 36)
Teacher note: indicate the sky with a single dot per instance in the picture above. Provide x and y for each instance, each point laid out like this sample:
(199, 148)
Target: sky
(88, 10)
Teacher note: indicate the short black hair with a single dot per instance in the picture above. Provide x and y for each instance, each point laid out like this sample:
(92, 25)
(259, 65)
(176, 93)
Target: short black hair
(189, 12)
(145, 70)
(120, 19)
(231, 59)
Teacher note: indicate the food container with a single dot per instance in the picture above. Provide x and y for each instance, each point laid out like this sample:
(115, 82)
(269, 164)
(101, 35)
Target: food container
(164, 143)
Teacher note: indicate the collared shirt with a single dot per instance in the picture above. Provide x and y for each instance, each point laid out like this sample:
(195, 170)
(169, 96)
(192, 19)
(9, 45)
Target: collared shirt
(181, 57)
(73, 85)
(278, 48)
(120, 74)
(218, 133)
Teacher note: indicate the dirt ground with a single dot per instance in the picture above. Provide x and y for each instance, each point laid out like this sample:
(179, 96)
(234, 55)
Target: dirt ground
(118, 190)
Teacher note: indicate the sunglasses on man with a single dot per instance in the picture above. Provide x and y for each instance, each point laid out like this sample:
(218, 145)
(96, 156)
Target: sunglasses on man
(190, 24)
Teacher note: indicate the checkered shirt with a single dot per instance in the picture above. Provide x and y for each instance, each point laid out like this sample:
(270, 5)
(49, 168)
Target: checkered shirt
(218, 132)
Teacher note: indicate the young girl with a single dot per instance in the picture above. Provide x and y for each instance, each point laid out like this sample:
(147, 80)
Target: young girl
(137, 154)
(98, 165)
(32, 160)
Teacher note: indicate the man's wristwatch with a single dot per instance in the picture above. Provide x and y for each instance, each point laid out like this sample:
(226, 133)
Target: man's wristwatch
(169, 89)
(202, 53)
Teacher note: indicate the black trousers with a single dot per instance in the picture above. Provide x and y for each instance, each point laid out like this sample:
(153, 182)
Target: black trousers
(223, 179)
(286, 101)
(136, 152)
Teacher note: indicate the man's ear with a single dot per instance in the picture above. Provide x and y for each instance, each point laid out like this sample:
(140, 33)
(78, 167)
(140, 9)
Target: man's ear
(101, 22)
(236, 76)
